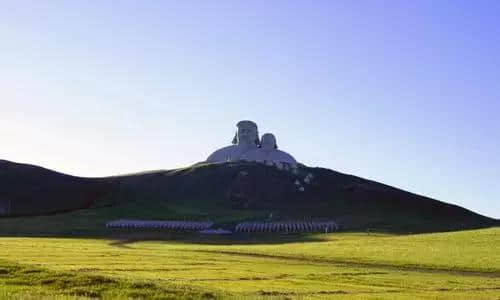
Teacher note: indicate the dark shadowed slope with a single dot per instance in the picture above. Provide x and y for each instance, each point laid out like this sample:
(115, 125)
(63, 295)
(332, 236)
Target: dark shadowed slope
(357, 203)
(232, 192)
(32, 190)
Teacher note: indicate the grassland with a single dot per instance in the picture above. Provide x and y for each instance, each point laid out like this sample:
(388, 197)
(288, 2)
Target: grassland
(460, 265)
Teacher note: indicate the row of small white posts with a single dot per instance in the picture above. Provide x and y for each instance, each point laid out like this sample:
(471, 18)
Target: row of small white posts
(291, 226)
(283, 227)
(169, 225)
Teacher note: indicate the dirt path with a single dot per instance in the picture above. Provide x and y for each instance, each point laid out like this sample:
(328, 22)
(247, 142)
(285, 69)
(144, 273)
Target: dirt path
(342, 263)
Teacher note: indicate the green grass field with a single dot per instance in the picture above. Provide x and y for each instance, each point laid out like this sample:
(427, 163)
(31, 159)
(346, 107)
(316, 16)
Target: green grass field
(459, 265)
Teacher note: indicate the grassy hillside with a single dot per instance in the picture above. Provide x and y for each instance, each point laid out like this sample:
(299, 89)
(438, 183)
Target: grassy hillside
(224, 193)
(458, 265)
(31, 190)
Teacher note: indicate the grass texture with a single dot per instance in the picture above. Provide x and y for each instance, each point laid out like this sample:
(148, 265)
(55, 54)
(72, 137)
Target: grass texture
(458, 265)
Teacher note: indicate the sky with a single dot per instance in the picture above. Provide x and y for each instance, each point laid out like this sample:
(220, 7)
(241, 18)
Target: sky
(402, 92)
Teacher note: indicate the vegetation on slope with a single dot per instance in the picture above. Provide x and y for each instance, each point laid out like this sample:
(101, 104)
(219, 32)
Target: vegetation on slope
(31, 190)
(224, 193)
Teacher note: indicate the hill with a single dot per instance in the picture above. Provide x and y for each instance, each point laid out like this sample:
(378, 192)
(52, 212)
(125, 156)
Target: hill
(228, 193)
(32, 190)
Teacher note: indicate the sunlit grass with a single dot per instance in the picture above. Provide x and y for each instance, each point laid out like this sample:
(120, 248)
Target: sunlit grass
(459, 265)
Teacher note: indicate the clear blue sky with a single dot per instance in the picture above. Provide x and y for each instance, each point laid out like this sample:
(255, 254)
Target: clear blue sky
(402, 92)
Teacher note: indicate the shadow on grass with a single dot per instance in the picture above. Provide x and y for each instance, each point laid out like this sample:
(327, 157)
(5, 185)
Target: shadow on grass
(124, 239)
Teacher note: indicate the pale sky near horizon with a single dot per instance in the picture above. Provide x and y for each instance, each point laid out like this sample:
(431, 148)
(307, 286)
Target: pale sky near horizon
(406, 93)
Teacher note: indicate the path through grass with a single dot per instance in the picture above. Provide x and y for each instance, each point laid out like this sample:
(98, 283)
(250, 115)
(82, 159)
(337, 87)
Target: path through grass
(460, 265)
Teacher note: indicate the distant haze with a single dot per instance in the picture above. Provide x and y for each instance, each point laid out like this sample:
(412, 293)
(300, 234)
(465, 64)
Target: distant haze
(403, 92)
